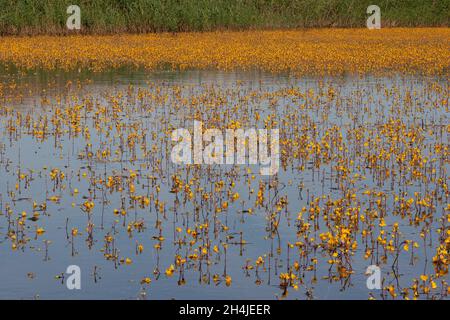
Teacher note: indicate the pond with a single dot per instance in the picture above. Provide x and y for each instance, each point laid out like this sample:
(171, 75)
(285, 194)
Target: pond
(88, 180)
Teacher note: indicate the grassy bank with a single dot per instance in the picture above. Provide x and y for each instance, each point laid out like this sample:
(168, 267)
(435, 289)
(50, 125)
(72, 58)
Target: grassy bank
(107, 16)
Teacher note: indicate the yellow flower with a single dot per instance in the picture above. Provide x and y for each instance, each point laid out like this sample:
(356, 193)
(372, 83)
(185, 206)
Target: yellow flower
(170, 270)
(146, 280)
(433, 285)
(228, 280)
(423, 277)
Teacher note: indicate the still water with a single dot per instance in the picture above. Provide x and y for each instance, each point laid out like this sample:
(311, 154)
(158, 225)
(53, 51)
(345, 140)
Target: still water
(87, 180)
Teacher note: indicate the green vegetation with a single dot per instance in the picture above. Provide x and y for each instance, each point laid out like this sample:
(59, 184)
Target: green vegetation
(108, 16)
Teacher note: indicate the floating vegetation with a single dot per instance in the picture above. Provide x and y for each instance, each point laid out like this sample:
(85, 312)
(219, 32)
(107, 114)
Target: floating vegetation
(363, 179)
(300, 52)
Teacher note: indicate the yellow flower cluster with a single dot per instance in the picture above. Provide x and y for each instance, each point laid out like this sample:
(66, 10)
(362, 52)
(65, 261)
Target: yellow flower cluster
(310, 51)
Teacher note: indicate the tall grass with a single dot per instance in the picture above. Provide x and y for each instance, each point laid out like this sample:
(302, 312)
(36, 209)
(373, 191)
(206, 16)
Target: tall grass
(108, 16)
